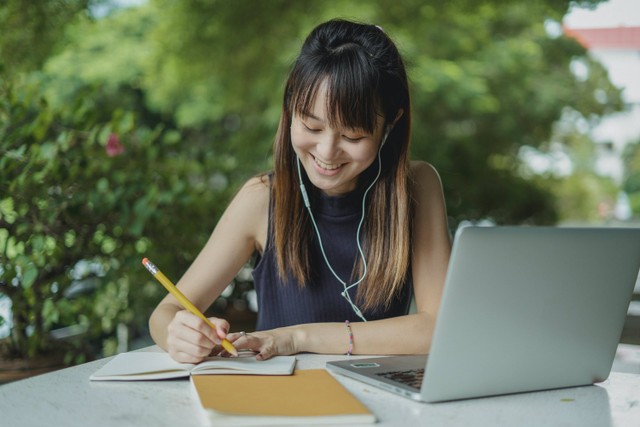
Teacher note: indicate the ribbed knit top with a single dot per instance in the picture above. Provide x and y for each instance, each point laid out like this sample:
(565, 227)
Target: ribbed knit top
(286, 303)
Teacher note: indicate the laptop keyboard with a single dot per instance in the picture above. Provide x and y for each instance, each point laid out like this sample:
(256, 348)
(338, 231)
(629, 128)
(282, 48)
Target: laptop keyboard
(411, 377)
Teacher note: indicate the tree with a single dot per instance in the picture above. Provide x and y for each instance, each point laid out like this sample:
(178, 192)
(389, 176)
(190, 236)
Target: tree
(490, 80)
(30, 32)
(487, 78)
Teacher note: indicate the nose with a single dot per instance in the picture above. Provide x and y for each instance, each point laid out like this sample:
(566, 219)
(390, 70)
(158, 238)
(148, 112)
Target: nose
(328, 147)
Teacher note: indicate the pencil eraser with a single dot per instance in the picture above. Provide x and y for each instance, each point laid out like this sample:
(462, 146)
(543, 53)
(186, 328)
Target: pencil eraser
(145, 261)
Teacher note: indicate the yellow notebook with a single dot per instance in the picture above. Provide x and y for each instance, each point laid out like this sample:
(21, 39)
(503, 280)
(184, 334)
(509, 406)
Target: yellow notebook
(307, 396)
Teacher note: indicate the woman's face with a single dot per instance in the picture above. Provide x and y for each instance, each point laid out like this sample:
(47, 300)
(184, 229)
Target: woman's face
(332, 157)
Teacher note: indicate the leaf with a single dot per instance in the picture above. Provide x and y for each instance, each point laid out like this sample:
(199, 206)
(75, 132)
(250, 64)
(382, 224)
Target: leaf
(29, 276)
(7, 210)
(4, 236)
(50, 313)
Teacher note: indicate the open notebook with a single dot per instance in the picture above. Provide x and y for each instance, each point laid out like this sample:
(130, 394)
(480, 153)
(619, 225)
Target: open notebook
(141, 365)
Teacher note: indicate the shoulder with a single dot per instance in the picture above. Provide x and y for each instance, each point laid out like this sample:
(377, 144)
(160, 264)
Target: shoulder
(255, 190)
(249, 210)
(253, 198)
(422, 167)
(426, 191)
(424, 177)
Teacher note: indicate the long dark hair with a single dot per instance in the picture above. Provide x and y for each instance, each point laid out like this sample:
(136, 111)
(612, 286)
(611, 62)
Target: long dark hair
(366, 78)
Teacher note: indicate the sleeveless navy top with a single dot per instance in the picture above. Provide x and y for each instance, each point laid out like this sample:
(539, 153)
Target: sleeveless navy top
(284, 303)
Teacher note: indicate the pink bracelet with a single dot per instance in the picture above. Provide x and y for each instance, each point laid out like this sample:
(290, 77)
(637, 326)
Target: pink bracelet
(350, 351)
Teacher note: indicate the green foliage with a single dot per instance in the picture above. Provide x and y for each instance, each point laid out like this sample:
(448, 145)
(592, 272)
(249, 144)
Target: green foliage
(486, 79)
(30, 32)
(584, 197)
(631, 184)
(92, 183)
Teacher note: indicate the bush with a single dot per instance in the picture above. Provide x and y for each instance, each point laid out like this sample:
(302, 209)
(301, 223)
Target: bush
(85, 192)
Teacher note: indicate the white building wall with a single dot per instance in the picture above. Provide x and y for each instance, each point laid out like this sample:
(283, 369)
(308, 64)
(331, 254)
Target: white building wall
(619, 129)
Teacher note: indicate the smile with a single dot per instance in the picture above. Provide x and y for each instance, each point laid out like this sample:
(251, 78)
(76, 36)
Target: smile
(327, 166)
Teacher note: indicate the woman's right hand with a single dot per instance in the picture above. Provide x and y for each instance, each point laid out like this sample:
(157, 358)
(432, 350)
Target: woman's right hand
(191, 340)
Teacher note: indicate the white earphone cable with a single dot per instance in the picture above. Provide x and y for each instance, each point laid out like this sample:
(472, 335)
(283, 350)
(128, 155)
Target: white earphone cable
(345, 292)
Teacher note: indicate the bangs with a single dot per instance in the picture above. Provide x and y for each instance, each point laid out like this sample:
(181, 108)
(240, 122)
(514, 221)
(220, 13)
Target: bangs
(352, 88)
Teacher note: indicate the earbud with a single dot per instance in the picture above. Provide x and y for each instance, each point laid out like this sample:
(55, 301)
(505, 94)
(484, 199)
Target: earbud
(386, 134)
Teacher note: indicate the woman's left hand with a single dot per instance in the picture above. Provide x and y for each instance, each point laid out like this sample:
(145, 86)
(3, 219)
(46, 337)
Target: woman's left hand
(275, 342)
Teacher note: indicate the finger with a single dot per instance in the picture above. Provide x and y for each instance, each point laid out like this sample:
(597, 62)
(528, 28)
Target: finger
(196, 323)
(222, 326)
(235, 336)
(265, 353)
(178, 344)
(246, 342)
(192, 337)
(182, 357)
(183, 338)
(264, 347)
(192, 330)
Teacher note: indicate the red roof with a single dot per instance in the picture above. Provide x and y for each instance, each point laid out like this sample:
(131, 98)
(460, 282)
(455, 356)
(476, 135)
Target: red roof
(606, 38)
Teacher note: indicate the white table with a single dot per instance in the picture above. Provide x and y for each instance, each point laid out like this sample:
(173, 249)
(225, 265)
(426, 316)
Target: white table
(68, 398)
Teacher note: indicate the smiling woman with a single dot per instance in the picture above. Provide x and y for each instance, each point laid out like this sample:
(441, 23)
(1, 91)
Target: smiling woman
(333, 158)
(346, 230)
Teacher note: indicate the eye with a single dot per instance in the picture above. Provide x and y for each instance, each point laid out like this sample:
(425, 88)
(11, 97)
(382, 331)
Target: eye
(310, 129)
(353, 138)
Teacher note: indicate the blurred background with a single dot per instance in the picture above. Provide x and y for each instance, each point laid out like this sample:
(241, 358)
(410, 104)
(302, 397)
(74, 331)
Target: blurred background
(127, 126)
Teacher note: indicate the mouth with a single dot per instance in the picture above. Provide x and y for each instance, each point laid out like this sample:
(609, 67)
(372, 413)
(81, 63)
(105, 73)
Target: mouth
(326, 166)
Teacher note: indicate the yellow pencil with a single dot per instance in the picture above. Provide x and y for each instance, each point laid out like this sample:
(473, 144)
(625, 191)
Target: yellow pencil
(184, 301)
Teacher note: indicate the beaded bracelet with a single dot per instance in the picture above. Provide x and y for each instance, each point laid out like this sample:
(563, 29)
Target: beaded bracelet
(350, 351)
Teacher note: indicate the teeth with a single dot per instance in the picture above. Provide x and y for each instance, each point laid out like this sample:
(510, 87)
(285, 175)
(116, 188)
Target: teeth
(327, 166)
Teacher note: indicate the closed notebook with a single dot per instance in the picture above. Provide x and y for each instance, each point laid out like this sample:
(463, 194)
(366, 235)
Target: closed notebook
(306, 397)
(158, 366)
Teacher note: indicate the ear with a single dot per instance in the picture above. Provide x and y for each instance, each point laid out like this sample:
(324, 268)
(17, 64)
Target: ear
(398, 115)
(391, 125)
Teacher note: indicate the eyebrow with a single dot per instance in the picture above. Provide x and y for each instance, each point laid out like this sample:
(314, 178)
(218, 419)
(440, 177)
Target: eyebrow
(312, 116)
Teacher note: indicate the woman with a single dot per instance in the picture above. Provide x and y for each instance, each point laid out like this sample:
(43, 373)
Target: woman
(347, 229)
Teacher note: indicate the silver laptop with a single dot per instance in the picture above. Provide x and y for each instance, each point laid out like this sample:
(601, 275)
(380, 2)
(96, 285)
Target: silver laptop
(523, 309)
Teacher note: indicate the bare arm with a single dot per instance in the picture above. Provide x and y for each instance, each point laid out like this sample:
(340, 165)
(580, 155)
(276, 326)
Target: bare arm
(240, 231)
